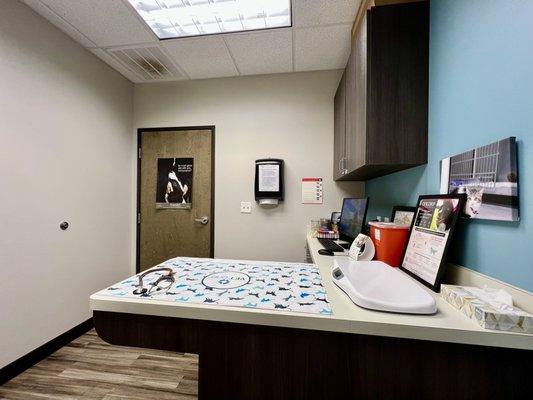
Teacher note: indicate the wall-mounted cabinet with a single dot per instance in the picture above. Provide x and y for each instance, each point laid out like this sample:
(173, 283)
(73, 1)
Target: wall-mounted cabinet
(381, 104)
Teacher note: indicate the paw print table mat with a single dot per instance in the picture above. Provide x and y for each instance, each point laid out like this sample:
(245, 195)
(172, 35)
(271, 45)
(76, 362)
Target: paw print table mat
(252, 284)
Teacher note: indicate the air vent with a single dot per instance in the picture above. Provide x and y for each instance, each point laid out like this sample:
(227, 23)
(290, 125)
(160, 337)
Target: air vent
(148, 62)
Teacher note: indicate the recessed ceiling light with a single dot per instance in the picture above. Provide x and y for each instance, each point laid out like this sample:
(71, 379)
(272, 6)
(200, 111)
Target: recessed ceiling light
(182, 18)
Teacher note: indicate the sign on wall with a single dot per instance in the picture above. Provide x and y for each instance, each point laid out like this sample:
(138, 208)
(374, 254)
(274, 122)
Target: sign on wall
(312, 191)
(174, 183)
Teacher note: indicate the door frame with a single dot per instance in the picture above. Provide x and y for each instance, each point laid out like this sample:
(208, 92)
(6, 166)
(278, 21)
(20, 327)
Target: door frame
(140, 131)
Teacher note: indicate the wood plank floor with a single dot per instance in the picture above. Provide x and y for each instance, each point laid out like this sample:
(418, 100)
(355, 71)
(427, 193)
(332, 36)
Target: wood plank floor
(90, 369)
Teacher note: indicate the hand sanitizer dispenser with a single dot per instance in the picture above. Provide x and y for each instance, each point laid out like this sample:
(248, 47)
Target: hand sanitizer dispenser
(269, 181)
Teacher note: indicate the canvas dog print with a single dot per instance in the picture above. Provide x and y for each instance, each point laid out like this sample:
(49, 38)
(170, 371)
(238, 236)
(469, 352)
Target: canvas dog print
(488, 175)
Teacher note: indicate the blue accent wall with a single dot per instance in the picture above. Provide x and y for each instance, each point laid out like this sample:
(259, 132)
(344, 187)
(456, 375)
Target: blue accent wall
(481, 90)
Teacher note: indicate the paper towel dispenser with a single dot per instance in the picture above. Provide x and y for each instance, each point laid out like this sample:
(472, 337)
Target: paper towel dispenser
(269, 181)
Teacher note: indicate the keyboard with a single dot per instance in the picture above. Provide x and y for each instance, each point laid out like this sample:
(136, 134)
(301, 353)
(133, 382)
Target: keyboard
(331, 245)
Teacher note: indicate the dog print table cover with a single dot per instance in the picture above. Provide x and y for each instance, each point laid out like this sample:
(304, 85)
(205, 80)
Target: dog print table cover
(252, 284)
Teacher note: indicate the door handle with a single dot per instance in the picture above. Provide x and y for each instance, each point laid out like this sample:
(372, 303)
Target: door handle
(203, 220)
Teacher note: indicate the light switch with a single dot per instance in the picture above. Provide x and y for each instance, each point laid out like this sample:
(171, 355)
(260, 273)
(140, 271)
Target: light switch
(246, 207)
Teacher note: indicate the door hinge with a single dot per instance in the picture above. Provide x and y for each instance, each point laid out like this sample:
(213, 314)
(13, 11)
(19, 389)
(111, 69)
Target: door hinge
(140, 153)
(138, 218)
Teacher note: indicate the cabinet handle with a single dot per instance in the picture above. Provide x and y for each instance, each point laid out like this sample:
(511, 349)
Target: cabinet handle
(342, 166)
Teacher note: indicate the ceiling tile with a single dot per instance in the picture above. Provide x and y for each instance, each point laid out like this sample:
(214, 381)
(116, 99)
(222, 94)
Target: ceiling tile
(104, 22)
(319, 39)
(265, 52)
(319, 48)
(55, 19)
(322, 12)
(202, 58)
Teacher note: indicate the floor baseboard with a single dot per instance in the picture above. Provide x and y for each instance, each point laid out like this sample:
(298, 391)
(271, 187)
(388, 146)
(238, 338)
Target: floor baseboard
(33, 357)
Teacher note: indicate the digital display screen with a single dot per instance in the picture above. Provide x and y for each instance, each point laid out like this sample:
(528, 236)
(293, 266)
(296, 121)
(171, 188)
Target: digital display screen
(352, 217)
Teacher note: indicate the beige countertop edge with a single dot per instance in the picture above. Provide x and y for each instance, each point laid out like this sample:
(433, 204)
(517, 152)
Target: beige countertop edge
(447, 325)
(312, 322)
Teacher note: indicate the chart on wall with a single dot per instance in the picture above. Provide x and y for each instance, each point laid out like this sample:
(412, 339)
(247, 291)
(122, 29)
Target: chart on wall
(488, 175)
(174, 183)
(312, 191)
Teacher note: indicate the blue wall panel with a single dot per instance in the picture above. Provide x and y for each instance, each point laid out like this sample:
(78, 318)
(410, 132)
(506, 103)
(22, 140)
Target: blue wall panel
(481, 90)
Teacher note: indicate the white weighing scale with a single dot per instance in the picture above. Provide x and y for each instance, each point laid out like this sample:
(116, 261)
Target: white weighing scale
(377, 286)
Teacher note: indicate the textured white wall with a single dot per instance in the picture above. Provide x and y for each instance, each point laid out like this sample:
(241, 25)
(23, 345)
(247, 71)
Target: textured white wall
(288, 116)
(67, 153)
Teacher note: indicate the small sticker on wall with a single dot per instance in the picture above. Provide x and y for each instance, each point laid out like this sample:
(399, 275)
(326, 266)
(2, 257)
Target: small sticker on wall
(312, 191)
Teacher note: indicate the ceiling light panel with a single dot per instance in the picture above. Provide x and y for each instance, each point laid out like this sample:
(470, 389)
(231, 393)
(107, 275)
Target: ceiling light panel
(183, 18)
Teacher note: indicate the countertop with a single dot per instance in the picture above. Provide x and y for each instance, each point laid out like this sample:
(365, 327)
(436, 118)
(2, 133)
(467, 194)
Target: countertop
(447, 325)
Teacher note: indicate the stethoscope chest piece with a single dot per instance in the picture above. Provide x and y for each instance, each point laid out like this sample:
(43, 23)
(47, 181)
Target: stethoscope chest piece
(169, 276)
(140, 290)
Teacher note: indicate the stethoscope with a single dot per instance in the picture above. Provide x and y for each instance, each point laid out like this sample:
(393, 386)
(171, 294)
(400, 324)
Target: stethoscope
(168, 277)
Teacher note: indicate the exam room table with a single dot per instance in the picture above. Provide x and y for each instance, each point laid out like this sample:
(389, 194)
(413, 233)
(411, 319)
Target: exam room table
(251, 353)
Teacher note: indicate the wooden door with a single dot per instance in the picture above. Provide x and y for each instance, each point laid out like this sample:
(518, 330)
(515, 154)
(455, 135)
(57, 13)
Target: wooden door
(175, 204)
(357, 95)
(339, 140)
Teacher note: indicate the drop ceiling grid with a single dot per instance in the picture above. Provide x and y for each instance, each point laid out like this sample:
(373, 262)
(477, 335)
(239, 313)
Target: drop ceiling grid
(206, 57)
(104, 22)
(318, 48)
(239, 72)
(46, 12)
(308, 13)
(319, 39)
(262, 53)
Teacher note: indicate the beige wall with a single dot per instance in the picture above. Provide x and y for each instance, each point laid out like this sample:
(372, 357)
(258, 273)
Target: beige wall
(288, 116)
(66, 153)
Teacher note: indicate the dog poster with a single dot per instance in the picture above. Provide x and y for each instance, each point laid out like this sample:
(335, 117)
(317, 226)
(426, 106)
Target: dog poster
(488, 175)
(174, 183)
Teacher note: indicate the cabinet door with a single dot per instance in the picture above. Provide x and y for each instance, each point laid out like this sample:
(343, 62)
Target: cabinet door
(356, 94)
(398, 95)
(339, 129)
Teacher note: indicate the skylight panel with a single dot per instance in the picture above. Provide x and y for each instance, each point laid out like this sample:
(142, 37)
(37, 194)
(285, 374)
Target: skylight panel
(183, 18)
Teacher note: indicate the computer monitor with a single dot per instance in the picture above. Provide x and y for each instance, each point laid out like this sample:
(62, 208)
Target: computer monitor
(353, 217)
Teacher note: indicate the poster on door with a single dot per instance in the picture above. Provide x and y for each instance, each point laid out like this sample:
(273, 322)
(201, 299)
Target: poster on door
(174, 183)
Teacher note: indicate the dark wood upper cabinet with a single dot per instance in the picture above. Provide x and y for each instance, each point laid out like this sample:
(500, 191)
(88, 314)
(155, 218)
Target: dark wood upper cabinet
(385, 87)
(339, 145)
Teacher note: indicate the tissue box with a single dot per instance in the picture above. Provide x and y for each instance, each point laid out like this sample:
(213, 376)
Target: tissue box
(464, 298)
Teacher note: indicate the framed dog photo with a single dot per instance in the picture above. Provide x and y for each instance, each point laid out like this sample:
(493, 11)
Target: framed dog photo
(403, 215)
(431, 231)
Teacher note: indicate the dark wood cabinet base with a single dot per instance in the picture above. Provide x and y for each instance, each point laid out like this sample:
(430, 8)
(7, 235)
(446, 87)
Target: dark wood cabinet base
(238, 361)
